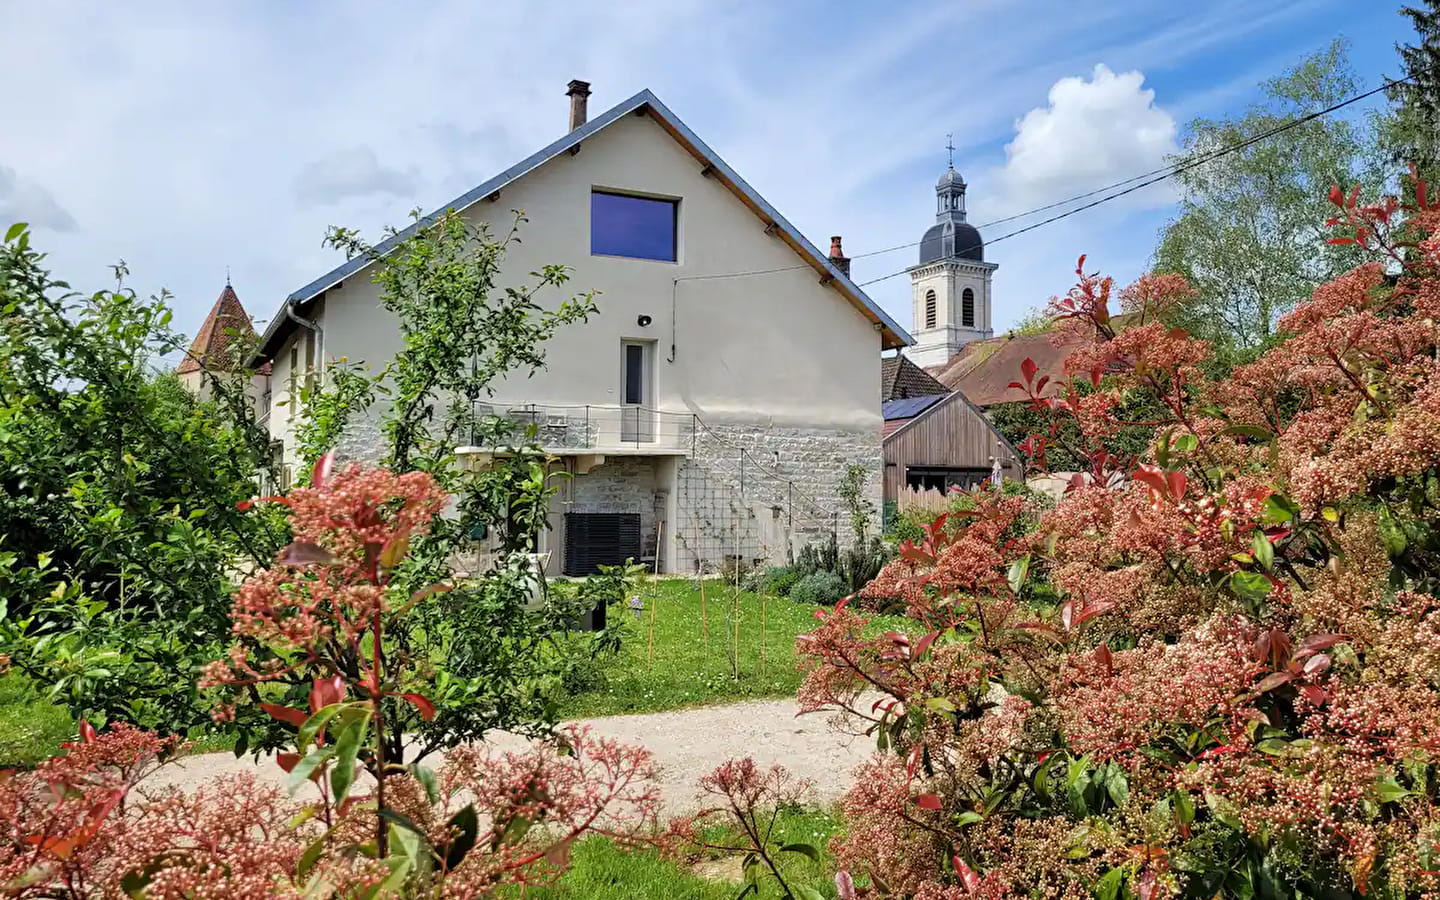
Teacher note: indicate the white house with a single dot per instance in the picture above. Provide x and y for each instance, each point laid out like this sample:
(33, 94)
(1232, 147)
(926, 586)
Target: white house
(711, 407)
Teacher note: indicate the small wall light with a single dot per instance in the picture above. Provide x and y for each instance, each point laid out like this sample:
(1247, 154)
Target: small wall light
(643, 321)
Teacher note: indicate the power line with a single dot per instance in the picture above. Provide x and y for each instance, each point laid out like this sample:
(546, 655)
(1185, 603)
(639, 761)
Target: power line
(1160, 175)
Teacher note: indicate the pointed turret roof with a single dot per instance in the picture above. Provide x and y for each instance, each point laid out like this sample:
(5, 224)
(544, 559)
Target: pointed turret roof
(227, 325)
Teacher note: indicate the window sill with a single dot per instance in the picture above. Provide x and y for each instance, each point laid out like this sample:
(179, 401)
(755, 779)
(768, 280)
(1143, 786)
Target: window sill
(647, 259)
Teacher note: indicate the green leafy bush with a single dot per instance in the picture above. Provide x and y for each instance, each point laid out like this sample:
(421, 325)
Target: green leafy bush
(780, 580)
(824, 588)
(821, 556)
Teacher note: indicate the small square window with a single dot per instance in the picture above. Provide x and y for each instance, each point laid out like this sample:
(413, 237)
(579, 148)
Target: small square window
(637, 227)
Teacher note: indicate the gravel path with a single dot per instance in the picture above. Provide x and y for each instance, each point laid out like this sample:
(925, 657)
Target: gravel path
(686, 744)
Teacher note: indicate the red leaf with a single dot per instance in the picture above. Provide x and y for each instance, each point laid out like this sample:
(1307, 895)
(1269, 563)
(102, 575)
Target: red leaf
(287, 761)
(924, 644)
(1176, 482)
(1146, 884)
(1337, 196)
(1274, 680)
(430, 591)
(1319, 642)
(967, 874)
(1028, 369)
(305, 553)
(929, 801)
(1104, 658)
(1151, 477)
(323, 465)
(273, 498)
(1315, 694)
(1317, 664)
(1093, 610)
(1341, 240)
(427, 709)
(87, 732)
(325, 691)
(285, 714)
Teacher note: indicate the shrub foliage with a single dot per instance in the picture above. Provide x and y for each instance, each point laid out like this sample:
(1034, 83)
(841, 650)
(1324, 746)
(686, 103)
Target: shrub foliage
(1213, 668)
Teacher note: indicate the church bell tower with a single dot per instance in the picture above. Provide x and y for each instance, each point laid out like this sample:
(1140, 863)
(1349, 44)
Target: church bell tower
(950, 286)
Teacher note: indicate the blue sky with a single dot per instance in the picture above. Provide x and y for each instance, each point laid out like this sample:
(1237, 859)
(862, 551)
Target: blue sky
(185, 138)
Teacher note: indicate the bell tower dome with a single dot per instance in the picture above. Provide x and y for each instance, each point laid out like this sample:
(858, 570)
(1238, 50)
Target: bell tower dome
(950, 286)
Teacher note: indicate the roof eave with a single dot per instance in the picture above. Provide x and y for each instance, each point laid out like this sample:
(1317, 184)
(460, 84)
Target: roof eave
(892, 335)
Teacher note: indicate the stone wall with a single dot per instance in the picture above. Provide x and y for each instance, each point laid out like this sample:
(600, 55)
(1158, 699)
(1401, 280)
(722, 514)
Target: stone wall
(623, 484)
(760, 493)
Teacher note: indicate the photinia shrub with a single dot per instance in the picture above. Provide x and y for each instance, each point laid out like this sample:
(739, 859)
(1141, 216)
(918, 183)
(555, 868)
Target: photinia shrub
(1212, 668)
(368, 822)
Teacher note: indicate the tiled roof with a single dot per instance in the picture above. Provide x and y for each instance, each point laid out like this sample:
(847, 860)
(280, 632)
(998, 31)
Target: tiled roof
(983, 370)
(227, 324)
(901, 378)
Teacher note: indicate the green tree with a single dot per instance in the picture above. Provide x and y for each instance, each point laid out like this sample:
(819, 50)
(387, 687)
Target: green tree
(498, 661)
(118, 493)
(1411, 129)
(1249, 232)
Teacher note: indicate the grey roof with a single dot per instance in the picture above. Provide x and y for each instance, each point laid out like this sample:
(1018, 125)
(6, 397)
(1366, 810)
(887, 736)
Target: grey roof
(280, 323)
(950, 177)
(951, 240)
(910, 406)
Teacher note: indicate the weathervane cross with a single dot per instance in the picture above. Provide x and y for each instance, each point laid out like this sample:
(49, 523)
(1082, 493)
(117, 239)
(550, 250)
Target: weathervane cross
(950, 148)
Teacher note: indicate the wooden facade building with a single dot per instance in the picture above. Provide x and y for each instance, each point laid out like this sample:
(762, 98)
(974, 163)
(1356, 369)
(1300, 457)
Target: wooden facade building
(940, 442)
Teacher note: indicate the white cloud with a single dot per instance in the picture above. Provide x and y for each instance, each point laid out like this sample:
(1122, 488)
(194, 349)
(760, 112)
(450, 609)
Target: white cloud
(132, 116)
(1092, 133)
(352, 173)
(22, 200)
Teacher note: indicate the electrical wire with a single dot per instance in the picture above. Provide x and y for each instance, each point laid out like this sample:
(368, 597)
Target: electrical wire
(1145, 179)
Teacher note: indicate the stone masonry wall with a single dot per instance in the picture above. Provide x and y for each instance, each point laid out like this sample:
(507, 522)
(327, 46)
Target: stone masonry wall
(765, 503)
(623, 484)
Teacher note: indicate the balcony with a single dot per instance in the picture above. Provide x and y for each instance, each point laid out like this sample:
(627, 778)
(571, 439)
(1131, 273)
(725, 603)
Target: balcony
(594, 429)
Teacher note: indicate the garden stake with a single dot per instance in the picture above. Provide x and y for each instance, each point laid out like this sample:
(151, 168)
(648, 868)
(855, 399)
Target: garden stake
(653, 601)
(654, 595)
(735, 613)
(762, 632)
(704, 619)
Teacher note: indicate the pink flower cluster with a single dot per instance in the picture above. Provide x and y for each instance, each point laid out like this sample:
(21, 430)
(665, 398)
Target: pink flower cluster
(82, 824)
(1230, 632)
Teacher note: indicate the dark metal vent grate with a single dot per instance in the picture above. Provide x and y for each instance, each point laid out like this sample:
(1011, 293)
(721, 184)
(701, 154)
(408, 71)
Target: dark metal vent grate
(600, 539)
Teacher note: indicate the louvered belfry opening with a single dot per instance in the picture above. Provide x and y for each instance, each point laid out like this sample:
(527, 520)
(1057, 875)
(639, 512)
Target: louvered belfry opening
(600, 539)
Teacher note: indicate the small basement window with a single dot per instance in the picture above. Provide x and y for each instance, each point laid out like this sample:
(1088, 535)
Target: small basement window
(944, 478)
(637, 227)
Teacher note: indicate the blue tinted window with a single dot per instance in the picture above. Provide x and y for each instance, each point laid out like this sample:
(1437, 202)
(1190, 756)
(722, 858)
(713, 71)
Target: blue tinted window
(640, 227)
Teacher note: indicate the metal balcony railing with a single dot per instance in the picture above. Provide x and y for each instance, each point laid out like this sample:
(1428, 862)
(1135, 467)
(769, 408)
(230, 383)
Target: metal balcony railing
(592, 426)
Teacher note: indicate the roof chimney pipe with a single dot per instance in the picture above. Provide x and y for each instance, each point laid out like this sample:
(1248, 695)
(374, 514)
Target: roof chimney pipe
(838, 259)
(578, 92)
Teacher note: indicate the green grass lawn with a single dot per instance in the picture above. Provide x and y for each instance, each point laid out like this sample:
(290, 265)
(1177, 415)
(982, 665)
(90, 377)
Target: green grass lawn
(666, 662)
(600, 871)
(31, 727)
(687, 668)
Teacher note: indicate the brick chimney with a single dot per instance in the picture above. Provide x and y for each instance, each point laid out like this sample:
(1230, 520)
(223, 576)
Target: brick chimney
(838, 259)
(579, 93)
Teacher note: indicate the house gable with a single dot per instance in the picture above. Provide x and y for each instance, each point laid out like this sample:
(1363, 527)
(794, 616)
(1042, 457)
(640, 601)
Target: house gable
(712, 166)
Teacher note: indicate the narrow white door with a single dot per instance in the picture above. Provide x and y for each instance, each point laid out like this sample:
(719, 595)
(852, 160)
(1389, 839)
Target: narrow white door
(636, 418)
